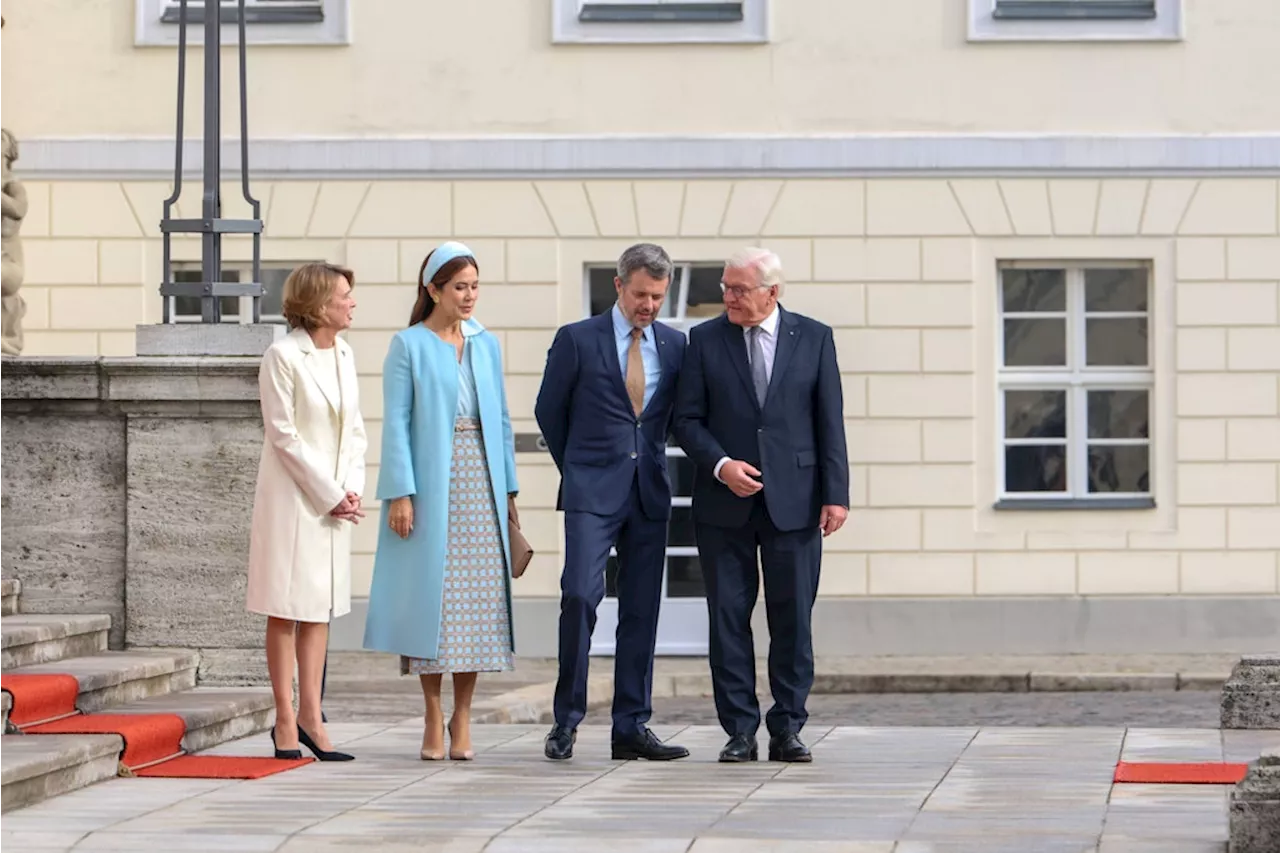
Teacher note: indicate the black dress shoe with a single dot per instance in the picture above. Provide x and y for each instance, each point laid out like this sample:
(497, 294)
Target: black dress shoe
(645, 744)
(559, 744)
(740, 749)
(322, 754)
(787, 747)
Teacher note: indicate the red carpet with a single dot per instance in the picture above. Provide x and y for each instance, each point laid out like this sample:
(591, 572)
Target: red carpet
(220, 767)
(40, 698)
(148, 738)
(46, 704)
(1170, 773)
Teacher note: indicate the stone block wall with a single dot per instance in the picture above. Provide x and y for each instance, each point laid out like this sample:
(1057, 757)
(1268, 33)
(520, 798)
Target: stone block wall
(904, 269)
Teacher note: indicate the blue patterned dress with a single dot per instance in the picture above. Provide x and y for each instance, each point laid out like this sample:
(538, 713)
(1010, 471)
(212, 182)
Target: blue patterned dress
(475, 627)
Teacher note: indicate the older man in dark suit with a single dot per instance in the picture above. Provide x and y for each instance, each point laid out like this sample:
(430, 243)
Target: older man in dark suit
(605, 409)
(761, 413)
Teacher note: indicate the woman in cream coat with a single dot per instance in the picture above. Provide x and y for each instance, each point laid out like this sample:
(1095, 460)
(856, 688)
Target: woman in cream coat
(310, 480)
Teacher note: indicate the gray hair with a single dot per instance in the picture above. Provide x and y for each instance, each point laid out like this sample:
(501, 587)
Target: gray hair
(767, 265)
(651, 258)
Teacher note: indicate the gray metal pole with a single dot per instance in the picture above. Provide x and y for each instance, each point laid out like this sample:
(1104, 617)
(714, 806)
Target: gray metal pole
(211, 241)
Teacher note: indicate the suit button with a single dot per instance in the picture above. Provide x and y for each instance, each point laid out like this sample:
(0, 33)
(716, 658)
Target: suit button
(761, 429)
(633, 454)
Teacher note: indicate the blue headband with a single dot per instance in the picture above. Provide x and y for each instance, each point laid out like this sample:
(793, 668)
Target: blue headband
(444, 253)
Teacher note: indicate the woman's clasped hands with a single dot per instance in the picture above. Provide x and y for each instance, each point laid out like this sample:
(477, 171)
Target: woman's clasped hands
(348, 509)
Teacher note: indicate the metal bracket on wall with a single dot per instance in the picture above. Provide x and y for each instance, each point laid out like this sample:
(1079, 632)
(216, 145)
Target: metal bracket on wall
(530, 442)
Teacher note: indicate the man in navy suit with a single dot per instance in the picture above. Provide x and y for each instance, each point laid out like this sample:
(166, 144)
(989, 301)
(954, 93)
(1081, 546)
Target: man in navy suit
(604, 409)
(761, 414)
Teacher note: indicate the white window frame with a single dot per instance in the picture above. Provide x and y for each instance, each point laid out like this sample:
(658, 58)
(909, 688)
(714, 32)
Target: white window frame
(245, 268)
(566, 28)
(1077, 379)
(151, 30)
(1167, 25)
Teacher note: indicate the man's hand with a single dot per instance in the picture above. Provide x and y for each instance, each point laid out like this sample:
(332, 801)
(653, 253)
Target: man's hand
(739, 477)
(832, 519)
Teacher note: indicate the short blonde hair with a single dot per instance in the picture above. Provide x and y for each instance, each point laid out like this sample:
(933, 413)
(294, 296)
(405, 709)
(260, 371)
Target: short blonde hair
(768, 266)
(308, 290)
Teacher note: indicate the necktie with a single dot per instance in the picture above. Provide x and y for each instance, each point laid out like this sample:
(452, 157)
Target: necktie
(759, 376)
(635, 372)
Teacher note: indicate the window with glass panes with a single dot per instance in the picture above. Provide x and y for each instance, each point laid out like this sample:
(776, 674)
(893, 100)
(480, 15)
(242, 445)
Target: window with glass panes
(1075, 381)
(235, 309)
(1048, 10)
(694, 296)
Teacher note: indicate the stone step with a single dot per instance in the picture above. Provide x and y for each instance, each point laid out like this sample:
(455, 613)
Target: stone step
(29, 638)
(9, 592)
(117, 678)
(37, 767)
(213, 715)
(42, 766)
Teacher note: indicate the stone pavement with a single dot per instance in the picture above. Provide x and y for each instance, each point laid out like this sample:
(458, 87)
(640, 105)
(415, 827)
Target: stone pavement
(870, 790)
(366, 686)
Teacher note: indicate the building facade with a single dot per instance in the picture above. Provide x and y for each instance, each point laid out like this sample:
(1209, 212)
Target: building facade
(1047, 234)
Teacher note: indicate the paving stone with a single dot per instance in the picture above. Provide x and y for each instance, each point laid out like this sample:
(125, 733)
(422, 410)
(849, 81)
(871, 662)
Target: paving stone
(927, 790)
(38, 841)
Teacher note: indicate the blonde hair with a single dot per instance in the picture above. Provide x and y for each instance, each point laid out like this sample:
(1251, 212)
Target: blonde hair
(8, 145)
(308, 290)
(768, 266)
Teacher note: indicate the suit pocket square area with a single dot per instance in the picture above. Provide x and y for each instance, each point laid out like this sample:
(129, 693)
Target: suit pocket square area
(521, 550)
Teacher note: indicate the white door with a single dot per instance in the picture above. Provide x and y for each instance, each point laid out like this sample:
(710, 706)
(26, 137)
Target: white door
(682, 621)
(694, 297)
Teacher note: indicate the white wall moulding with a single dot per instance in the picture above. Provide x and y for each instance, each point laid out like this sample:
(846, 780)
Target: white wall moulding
(659, 156)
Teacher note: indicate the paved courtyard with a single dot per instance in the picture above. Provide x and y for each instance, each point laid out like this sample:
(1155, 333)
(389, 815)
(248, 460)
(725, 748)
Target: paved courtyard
(870, 790)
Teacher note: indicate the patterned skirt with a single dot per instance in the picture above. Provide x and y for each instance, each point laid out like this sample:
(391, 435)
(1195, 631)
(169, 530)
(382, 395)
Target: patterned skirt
(475, 624)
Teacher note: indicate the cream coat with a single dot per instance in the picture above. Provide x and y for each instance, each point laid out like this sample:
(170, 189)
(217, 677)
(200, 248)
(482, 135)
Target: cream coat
(299, 556)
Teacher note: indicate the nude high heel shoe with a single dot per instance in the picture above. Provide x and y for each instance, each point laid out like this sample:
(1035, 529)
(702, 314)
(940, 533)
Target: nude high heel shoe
(426, 754)
(458, 755)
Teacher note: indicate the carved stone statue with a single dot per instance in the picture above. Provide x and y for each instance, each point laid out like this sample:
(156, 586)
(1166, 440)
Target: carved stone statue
(14, 210)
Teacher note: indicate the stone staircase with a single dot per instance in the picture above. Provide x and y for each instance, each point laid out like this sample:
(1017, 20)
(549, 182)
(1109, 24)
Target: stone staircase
(36, 767)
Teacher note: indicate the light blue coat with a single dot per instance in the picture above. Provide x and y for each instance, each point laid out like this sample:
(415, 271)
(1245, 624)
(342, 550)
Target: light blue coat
(419, 399)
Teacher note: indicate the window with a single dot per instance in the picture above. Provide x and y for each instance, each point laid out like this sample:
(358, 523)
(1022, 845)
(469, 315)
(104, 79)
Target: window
(694, 297)
(1075, 384)
(1075, 20)
(1075, 10)
(659, 21)
(694, 294)
(235, 309)
(267, 22)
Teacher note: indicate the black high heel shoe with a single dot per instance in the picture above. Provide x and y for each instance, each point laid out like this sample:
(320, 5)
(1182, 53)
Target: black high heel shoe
(322, 754)
(284, 754)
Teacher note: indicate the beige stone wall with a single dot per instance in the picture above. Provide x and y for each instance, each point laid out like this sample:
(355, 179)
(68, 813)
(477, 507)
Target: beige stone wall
(489, 67)
(905, 272)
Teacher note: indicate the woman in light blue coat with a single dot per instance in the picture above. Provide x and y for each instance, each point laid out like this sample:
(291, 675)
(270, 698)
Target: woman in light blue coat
(441, 592)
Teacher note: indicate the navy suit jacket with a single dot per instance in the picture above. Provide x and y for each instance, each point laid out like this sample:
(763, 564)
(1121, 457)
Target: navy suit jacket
(593, 434)
(796, 440)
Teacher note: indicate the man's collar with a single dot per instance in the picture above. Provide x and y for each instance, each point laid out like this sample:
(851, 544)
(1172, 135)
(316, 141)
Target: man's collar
(622, 327)
(770, 323)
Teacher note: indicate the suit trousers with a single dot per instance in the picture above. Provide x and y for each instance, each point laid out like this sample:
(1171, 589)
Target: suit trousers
(791, 562)
(641, 543)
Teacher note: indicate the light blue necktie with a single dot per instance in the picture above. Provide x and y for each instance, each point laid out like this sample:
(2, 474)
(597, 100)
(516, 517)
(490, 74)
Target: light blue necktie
(759, 377)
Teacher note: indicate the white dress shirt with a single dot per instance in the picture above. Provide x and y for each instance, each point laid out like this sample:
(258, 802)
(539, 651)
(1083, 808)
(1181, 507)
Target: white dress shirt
(769, 345)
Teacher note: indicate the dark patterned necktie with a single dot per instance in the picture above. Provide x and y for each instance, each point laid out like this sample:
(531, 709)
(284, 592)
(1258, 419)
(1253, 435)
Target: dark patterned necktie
(759, 376)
